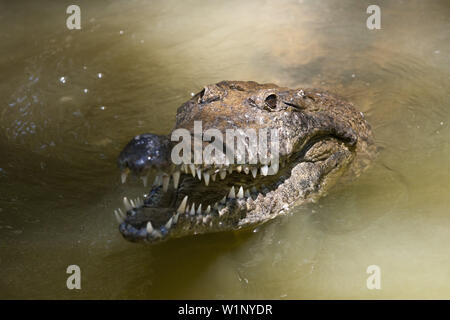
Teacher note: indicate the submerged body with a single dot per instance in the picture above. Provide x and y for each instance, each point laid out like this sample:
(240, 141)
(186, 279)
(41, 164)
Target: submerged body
(321, 138)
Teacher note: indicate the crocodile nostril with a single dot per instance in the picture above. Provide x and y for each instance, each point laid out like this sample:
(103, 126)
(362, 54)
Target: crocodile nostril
(210, 94)
(199, 96)
(271, 101)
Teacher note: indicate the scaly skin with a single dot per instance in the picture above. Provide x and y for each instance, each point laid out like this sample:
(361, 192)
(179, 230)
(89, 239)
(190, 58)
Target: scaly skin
(321, 138)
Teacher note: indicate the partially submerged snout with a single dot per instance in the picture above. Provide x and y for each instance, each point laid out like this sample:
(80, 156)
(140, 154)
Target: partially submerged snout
(320, 137)
(144, 153)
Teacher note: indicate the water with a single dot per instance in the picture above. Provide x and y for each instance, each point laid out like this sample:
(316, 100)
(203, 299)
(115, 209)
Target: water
(139, 61)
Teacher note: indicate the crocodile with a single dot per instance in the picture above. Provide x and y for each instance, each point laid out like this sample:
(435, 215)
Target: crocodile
(322, 139)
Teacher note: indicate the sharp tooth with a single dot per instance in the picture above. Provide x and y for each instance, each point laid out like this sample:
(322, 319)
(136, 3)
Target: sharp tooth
(254, 172)
(192, 169)
(246, 170)
(199, 210)
(230, 170)
(199, 174)
(206, 177)
(224, 200)
(239, 169)
(216, 206)
(208, 210)
(166, 180)
(176, 178)
(182, 206)
(133, 204)
(232, 195)
(192, 209)
(118, 216)
(240, 193)
(124, 175)
(175, 218)
(144, 181)
(264, 170)
(247, 193)
(169, 223)
(158, 181)
(213, 177)
(121, 213)
(274, 168)
(149, 227)
(223, 174)
(127, 204)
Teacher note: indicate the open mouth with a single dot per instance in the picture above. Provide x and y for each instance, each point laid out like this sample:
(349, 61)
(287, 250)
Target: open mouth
(191, 199)
(198, 199)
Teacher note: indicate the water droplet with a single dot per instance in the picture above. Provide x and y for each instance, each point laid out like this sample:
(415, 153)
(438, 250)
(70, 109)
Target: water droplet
(85, 90)
(62, 79)
(99, 75)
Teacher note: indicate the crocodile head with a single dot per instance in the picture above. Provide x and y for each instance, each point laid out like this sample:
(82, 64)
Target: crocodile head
(319, 138)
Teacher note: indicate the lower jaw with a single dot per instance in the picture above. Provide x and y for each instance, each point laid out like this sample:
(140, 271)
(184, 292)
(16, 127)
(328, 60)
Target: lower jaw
(190, 219)
(231, 212)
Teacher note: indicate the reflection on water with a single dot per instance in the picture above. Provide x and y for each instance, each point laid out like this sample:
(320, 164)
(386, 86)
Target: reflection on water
(72, 99)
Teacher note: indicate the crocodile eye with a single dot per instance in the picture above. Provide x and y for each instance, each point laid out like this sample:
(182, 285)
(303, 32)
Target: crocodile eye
(271, 101)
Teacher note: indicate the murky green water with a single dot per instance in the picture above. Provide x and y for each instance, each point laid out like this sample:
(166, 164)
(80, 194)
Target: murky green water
(139, 61)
